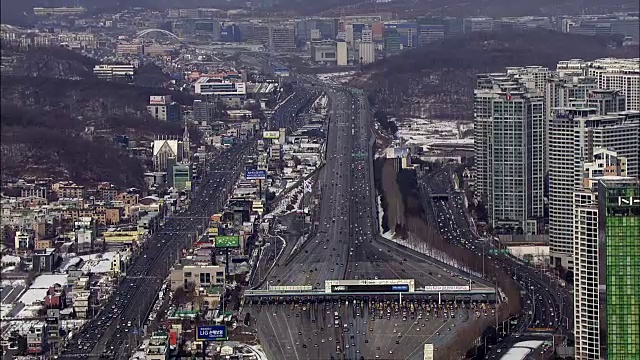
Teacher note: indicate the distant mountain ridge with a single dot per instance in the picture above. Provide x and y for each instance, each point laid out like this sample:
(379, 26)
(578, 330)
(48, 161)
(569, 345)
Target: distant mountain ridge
(55, 126)
(437, 80)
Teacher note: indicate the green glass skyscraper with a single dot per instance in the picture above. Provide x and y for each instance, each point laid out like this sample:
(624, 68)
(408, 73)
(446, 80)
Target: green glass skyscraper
(619, 264)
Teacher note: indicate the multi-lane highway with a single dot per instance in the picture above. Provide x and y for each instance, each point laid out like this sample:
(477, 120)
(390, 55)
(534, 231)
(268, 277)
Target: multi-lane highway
(110, 332)
(545, 305)
(362, 328)
(348, 246)
(116, 329)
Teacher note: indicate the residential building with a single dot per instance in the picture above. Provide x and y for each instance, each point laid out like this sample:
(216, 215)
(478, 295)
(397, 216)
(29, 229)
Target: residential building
(70, 191)
(81, 303)
(45, 260)
(605, 165)
(509, 151)
(579, 131)
(619, 264)
(566, 89)
(23, 240)
(85, 229)
(164, 109)
(609, 74)
(618, 74)
(158, 348)
(201, 276)
(36, 338)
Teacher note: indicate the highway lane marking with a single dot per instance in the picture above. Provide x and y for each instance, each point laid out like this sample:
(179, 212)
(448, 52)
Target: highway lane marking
(421, 346)
(274, 332)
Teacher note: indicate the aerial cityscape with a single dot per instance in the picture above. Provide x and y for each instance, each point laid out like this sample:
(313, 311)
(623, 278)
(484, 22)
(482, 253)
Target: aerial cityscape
(337, 180)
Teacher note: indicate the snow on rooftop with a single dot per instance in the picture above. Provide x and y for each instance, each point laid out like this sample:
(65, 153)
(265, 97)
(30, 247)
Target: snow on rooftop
(22, 327)
(32, 296)
(5, 309)
(10, 259)
(427, 131)
(11, 282)
(29, 311)
(98, 263)
(46, 281)
(69, 263)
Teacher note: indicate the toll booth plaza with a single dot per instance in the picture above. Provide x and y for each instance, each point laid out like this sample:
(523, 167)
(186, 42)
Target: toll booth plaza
(379, 288)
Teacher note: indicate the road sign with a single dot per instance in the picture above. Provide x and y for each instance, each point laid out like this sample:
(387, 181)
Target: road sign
(447, 288)
(271, 135)
(227, 241)
(211, 333)
(255, 174)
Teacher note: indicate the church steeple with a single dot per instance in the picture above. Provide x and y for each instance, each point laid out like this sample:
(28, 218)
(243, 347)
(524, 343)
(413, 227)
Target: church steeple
(185, 142)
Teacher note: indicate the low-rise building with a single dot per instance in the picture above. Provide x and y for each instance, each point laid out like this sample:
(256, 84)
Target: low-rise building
(45, 260)
(202, 276)
(36, 338)
(164, 108)
(158, 348)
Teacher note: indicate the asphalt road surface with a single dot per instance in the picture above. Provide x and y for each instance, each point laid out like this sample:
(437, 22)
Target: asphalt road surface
(115, 330)
(361, 329)
(545, 305)
(348, 246)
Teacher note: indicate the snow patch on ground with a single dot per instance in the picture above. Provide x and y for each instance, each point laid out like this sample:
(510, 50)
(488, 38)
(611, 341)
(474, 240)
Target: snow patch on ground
(424, 248)
(380, 213)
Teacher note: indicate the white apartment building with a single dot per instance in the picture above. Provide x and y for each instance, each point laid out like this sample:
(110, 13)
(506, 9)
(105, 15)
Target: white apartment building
(509, 150)
(610, 74)
(579, 131)
(586, 275)
(605, 165)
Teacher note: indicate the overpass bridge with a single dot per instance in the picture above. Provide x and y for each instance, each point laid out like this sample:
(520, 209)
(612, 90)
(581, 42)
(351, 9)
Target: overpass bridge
(366, 289)
(440, 196)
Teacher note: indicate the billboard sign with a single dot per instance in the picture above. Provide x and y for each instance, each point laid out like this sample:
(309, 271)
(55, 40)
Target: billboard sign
(212, 333)
(255, 174)
(159, 100)
(227, 241)
(271, 135)
(370, 288)
(228, 140)
(447, 288)
(291, 288)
